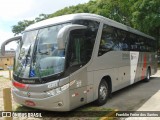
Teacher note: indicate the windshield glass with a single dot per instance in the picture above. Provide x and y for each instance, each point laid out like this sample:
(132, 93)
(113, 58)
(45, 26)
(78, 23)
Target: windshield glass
(48, 59)
(38, 53)
(24, 53)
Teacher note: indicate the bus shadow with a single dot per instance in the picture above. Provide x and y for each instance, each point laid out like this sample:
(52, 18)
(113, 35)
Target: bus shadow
(133, 86)
(133, 96)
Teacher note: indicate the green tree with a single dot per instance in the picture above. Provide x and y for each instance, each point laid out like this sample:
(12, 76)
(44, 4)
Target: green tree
(41, 17)
(146, 17)
(117, 10)
(17, 29)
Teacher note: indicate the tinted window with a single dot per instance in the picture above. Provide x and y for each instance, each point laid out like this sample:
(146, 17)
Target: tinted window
(153, 45)
(118, 39)
(142, 46)
(133, 45)
(92, 25)
(123, 40)
(77, 48)
(109, 40)
(81, 43)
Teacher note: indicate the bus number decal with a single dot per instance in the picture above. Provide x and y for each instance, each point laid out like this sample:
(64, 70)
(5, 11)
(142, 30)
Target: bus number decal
(79, 83)
(52, 85)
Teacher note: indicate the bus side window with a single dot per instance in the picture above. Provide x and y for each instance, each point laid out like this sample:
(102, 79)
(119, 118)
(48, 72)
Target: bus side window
(108, 40)
(133, 42)
(81, 47)
(123, 40)
(142, 44)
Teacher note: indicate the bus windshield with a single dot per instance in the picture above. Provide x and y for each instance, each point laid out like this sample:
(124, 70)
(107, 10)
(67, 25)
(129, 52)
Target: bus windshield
(38, 54)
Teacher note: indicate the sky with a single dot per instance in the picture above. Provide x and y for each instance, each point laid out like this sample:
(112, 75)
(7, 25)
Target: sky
(13, 11)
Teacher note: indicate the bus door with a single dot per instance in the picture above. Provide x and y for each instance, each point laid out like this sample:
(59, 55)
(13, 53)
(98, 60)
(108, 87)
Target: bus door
(77, 58)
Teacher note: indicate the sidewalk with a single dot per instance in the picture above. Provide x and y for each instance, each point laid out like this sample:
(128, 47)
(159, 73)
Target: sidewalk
(153, 104)
(152, 108)
(157, 74)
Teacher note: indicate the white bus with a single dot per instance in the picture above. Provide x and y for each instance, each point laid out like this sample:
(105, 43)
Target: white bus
(68, 61)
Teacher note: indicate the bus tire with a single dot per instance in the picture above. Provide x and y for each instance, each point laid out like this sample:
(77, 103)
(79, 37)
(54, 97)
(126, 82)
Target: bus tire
(103, 93)
(148, 75)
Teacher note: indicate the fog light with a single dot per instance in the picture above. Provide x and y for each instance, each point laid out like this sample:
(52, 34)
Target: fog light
(60, 104)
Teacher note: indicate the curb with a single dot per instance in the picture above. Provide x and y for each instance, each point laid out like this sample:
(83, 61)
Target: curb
(109, 116)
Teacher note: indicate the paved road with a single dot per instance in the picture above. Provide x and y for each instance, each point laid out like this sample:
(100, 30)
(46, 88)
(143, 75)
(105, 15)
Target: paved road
(134, 96)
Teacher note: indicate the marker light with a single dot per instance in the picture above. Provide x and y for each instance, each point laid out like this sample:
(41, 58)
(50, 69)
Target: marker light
(20, 85)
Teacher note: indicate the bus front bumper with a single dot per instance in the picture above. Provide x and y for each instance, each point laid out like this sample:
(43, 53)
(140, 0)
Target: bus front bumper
(59, 102)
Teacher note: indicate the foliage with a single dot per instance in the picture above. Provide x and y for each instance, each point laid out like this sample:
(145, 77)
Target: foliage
(108, 8)
(16, 29)
(41, 17)
(146, 16)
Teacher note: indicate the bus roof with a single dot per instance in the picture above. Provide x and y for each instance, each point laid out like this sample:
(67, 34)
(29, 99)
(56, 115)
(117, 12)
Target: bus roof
(62, 19)
(70, 17)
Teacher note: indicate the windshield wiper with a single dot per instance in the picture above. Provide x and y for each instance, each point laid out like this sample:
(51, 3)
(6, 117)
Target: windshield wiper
(26, 61)
(33, 61)
(28, 57)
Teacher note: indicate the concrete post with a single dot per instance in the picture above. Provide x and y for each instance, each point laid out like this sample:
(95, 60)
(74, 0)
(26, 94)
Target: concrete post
(7, 100)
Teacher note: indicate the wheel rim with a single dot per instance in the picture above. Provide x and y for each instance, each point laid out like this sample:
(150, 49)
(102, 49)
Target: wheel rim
(103, 92)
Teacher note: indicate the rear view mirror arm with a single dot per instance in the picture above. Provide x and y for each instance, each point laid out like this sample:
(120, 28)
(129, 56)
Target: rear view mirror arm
(8, 41)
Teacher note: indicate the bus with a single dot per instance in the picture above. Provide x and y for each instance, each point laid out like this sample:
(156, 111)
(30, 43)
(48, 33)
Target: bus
(65, 62)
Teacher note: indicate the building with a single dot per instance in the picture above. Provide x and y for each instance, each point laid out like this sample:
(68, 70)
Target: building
(7, 60)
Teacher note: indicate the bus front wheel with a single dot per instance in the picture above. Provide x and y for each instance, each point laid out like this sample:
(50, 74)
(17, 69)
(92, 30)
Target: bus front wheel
(103, 93)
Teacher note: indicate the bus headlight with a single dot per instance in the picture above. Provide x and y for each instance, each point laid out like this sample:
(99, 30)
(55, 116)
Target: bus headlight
(58, 90)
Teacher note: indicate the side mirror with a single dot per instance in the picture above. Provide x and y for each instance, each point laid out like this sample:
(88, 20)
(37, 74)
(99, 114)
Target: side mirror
(64, 32)
(8, 41)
